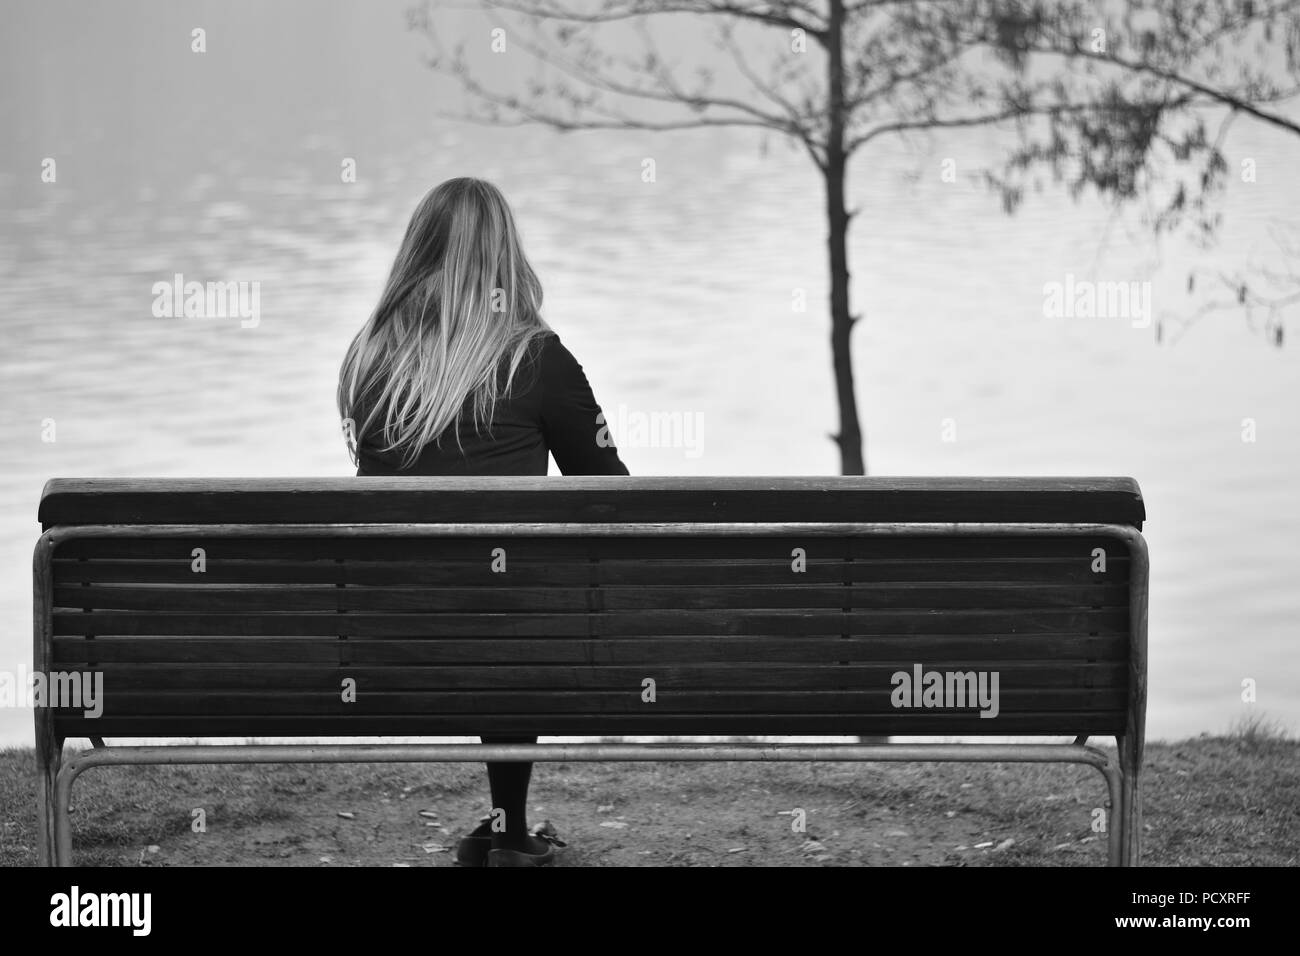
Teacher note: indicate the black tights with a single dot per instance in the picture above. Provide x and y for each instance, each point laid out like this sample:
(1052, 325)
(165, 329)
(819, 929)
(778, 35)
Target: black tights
(508, 781)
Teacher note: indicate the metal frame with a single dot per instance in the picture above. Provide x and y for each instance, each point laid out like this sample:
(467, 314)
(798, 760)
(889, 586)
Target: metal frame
(1121, 771)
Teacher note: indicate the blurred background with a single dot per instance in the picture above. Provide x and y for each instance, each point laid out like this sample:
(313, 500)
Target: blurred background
(676, 296)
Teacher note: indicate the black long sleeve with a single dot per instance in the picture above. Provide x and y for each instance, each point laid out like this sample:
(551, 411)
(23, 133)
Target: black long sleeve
(572, 422)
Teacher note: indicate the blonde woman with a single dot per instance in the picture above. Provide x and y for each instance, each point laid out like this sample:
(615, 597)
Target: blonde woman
(456, 373)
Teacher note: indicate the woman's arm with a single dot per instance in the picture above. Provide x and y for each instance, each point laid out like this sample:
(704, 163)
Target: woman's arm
(574, 427)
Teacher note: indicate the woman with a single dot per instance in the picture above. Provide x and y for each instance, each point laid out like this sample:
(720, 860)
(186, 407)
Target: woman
(456, 373)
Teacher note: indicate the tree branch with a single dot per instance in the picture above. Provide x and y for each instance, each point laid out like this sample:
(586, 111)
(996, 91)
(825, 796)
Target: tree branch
(637, 9)
(1223, 97)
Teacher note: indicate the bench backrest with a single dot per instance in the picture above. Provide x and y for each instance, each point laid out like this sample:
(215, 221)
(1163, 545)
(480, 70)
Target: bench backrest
(599, 606)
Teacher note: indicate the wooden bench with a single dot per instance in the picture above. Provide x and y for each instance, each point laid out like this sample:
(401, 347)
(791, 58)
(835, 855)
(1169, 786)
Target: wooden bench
(593, 607)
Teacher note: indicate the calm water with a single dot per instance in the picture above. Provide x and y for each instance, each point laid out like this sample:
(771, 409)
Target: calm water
(675, 295)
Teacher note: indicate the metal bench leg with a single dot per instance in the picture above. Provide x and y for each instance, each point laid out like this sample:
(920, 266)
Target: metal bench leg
(1115, 813)
(49, 745)
(48, 763)
(1131, 821)
(68, 773)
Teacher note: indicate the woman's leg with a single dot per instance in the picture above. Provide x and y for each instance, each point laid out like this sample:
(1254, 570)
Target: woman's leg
(508, 781)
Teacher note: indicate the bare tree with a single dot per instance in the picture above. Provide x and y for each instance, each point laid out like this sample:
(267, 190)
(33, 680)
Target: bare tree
(1114, 98)
(1262, 291)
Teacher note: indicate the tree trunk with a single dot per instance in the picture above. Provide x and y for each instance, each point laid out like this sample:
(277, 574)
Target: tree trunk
(837, 217)
(849, 437)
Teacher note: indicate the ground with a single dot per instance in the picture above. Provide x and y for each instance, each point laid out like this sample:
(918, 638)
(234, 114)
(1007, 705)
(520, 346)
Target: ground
(1208, 801)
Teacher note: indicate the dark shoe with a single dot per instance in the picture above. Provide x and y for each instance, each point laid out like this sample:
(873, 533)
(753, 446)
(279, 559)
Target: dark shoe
(521, 857)
(538, 849)
(473, 850)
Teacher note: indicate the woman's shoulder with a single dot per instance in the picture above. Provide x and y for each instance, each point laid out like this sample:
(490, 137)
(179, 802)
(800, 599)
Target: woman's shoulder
(548, 343)
(547, 359)
(553, 357)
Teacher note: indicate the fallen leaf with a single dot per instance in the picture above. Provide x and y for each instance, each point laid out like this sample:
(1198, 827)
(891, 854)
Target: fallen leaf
(153, 848)
(434, 848)
(983, 846)
(346, 815)
(546, 831)
(429, 814)
(1004, 845)
(738, 849)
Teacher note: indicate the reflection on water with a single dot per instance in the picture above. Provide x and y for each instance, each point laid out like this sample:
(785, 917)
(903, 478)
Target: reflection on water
(675, 295)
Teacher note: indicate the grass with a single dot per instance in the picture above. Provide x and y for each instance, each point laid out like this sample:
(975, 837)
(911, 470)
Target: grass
(1212, 801)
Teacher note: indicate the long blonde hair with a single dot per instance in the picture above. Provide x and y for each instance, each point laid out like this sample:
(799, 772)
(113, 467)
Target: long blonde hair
(460, 304)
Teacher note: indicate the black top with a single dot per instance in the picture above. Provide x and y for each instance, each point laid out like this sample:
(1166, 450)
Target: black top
(550, 408)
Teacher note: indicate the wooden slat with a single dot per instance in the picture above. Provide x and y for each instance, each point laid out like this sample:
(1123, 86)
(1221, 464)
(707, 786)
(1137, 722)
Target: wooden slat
(260, 598)
(596, 702)
(526, 550)
(648, 623)
(478, 573)
(924, 723)
(675, 650)
(235, 677)
(605, 499)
